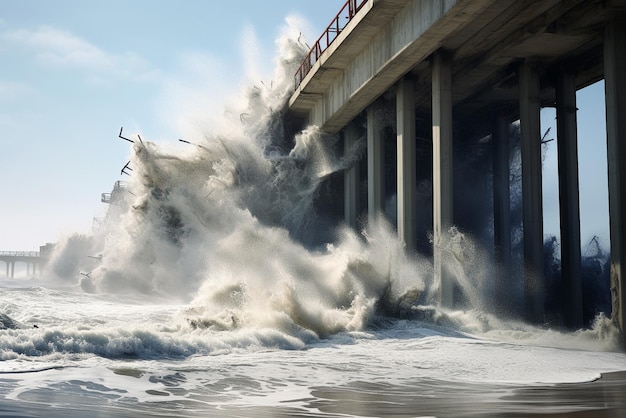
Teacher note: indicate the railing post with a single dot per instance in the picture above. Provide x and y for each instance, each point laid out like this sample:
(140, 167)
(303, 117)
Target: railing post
(351, 8)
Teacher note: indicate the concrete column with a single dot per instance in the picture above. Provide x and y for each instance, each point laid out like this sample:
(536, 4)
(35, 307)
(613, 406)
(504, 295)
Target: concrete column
(442, 169)
(375, 164)
(502, 211)
(12, 269)
(351, 179)
(569, 203)
(7, 263)
(406, 177)
(534, 286)
(615, 91)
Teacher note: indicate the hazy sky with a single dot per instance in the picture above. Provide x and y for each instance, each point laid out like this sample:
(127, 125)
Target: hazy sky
(73, 72)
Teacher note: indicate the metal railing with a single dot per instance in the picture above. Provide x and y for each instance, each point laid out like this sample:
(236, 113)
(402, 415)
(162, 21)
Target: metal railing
(19, 253)
(118, 187)
(345, 15)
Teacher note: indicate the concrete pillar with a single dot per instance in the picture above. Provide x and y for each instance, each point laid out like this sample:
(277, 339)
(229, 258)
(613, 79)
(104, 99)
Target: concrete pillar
(12, 269)
(442, 169)
(502, 211)
(530, 127)
(406, 177)
(351, 178)
(615, 91)
(375, 164)
(569, 203)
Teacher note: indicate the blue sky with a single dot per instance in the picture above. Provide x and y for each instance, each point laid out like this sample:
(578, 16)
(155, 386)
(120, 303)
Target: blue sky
(73, 72)
(592, 168)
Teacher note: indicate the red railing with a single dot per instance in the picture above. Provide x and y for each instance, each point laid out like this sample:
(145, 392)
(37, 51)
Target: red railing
(347, 12)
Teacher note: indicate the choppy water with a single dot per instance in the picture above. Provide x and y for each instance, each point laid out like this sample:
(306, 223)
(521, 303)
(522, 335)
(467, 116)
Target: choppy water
(216, 288)
(126, 356)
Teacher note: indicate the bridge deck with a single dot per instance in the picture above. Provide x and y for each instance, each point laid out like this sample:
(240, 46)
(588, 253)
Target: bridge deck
(389, 39)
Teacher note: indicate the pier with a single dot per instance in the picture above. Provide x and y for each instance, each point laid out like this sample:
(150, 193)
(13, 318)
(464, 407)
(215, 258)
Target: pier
(456, 75)
(32, 260)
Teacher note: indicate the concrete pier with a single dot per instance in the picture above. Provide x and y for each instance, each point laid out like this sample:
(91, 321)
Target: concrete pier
(569, 200)
(442, 169)
(501, 211)
(375, 163)
(532, 199)
(32, 259)
(473, 68)
(615, 84)
(351, 179)
(406, 182)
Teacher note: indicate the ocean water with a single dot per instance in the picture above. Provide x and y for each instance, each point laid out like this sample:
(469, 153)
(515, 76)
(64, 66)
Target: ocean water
(216, 287)
(78, 354)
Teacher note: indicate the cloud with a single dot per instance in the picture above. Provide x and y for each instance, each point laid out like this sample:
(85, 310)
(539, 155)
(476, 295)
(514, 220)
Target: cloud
(58, 48)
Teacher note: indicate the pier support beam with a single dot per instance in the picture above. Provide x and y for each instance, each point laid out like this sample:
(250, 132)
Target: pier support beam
(569, 203)
(615, 91)
(375, 164)
(442, 169)
(351, 179)
(406, 181)
(530, 130)
(502, 211)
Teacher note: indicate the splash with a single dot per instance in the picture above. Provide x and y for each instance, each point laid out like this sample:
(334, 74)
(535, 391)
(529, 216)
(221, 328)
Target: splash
(226, 224)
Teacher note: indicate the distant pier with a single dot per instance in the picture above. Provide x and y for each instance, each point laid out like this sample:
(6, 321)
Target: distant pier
(30, 258)
(34, 260)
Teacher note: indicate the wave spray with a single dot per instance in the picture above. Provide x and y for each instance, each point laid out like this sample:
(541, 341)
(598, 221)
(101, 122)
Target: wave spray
(227, 223)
